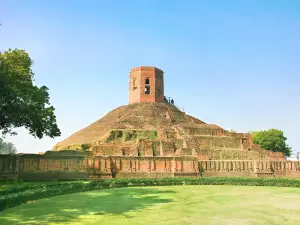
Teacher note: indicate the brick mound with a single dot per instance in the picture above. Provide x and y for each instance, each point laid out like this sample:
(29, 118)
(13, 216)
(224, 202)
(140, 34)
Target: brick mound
(153, 129)
(140, 116)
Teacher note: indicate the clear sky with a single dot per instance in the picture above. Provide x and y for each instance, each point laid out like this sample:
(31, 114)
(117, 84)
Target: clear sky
(231, 63)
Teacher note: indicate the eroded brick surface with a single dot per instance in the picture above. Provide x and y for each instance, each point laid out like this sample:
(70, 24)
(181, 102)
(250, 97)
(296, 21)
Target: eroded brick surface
(61, 166)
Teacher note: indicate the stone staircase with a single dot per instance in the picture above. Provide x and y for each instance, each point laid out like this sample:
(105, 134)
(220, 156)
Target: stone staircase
(176, 116)
(188, 143)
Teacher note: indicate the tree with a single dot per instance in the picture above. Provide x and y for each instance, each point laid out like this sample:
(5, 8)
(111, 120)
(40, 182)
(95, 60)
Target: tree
(7, 147)
(22, 104)
(273, 140)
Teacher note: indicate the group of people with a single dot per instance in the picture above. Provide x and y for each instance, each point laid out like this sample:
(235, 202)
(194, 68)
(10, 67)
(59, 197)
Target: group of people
(170, 101)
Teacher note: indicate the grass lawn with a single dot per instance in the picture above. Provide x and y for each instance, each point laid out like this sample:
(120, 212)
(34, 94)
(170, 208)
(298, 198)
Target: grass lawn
(164, 205)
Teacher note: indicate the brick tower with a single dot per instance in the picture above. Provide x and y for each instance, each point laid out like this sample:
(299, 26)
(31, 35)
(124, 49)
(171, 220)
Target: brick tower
(146, 84)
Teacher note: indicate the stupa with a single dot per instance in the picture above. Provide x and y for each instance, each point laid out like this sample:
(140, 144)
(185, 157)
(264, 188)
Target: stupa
(150, 126)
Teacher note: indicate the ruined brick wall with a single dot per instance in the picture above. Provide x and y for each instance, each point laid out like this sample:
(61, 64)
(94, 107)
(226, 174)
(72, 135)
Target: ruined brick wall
(250, 168)
(148, 148)
(225, 154)
(118, 149)
(201, 131)
(212, 146)
(73, 167)
(168, 148)
(275, 155)
(9, 167)
(212, 136)
(227, 168)
(52, 167)
(143, 167)
(155, 166)
(62, 167)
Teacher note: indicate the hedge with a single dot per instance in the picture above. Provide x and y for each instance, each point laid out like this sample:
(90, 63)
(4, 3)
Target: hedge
(23, 187)
(18, 195)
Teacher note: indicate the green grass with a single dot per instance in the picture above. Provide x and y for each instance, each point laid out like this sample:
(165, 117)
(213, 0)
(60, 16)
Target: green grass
(131, 135)
(164, 205)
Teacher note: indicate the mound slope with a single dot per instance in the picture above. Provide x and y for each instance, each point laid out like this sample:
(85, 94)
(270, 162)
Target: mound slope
(140, 116)
(160, 129)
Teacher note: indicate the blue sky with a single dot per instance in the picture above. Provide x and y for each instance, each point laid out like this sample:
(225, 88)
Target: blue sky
(231, 63)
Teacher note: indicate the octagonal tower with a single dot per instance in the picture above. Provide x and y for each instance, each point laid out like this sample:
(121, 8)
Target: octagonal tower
(146, 84)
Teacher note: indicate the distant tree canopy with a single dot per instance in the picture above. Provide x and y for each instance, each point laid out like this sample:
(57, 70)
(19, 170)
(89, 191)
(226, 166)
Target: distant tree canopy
(7, 147)
(273, 140)
(22, 104)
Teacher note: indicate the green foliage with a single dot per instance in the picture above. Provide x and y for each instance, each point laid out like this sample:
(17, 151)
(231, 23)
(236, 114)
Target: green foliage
(114, 135)
(131, 135)
(7, 147)
(154, 148)
(14, 196)
(85, 147)
(22, 104)
(139, 147)
(140, 153)
(273, 140)
(152, 135)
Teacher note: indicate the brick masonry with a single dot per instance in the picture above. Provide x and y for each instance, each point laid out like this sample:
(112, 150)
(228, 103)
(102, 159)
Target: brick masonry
(61, 167)
(146, 77)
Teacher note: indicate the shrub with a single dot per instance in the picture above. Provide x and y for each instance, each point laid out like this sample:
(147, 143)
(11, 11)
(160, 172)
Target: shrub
(18, 195)
(85, 147)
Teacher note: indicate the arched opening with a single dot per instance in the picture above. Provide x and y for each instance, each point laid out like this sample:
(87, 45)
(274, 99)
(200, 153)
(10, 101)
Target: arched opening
(147, 81)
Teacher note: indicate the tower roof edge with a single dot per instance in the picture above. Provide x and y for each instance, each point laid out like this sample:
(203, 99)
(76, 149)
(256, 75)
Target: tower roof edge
(145, 68)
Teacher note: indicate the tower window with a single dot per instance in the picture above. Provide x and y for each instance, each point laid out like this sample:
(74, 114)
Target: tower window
(159, 91)
(134, 82)
(147, 90)
(147, 81)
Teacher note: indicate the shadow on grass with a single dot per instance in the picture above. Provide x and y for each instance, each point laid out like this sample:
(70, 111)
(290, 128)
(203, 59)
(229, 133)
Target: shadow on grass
(68, 208)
